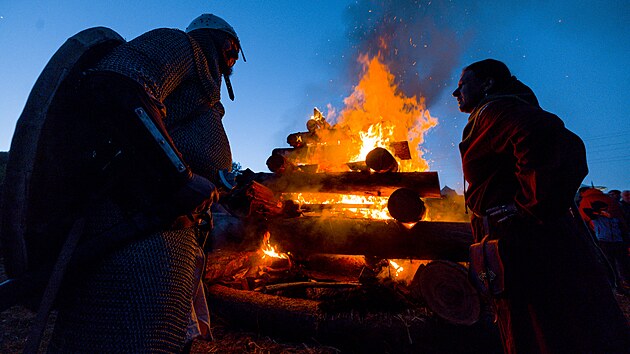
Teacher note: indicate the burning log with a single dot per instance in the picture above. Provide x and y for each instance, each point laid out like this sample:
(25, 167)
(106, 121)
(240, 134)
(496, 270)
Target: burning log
(381, 160)
(447, 291)
(302, 139)
(378, 184)
(379, 238)
(254, 198)
(336, 206)
(405, 205)
(401, 149)
(279, 164)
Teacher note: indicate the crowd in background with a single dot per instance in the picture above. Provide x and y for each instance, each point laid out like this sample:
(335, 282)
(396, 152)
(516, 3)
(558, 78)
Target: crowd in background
(608, 218)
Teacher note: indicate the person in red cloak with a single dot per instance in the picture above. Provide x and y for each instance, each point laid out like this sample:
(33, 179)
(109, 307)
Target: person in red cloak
(523, 168)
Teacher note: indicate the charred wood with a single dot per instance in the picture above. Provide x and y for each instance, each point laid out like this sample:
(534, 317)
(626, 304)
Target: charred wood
(359, 183)
(279, 164)
(302, 139)
(379, 238)
(405, 205)
(381, 160)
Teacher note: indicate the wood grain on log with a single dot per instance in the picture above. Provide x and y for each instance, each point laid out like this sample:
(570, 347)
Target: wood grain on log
(447, 291)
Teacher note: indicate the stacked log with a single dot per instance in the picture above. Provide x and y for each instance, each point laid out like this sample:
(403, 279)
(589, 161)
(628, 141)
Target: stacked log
(357, 183)
(379, 238)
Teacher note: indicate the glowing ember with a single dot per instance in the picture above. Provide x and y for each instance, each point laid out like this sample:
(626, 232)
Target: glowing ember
(409, 225)
(403, 270)
(396, 267)
(270, 250)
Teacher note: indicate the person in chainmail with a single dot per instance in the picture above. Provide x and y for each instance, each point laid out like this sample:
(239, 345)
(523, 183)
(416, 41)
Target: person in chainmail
(140, 297)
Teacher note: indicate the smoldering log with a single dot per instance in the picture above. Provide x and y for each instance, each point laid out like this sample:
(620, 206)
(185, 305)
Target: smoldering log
(413, 330)
(358, 183)
(279, 164)
(302, 139)
(379, 238)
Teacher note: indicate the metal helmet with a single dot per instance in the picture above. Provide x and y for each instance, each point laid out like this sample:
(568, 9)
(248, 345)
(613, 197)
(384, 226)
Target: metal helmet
(215, 22)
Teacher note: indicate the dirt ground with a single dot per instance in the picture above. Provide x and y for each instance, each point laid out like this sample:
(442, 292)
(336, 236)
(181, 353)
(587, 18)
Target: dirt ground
(15, 323)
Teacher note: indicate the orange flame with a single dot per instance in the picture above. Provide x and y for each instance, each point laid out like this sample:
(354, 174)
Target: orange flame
(381, 114)
(269, 250)
(376, 114)
(372, 207)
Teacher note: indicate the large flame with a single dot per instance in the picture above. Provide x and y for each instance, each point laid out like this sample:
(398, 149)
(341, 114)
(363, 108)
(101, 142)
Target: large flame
(376, 114)
(382, 114)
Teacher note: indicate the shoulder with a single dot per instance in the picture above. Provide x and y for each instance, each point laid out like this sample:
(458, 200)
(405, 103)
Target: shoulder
(168, 32)
(514, 110)
(161, 35)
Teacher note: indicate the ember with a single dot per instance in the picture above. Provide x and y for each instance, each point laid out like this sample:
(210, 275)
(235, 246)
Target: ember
(396, 267)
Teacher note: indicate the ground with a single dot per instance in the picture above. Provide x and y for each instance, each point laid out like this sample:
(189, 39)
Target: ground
(15, 323)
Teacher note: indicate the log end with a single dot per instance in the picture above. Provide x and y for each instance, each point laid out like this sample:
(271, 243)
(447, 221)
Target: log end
(445, 287)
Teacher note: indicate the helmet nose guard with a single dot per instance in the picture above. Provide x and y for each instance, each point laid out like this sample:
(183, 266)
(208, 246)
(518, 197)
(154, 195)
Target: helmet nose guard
(215, 22)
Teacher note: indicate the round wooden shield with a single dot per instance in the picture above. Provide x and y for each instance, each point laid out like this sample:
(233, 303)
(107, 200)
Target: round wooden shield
(445, 288)
(39, 189)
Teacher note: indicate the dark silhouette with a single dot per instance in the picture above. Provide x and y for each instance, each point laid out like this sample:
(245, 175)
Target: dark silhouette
(523, 168)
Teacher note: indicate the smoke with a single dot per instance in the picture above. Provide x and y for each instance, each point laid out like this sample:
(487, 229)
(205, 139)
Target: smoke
(416, 39)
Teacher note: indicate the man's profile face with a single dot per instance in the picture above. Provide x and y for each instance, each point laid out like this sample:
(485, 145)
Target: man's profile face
(230, 52)
(469, 91)
(625, 195)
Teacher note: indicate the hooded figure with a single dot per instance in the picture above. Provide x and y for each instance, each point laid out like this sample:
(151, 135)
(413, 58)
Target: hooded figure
(523, 168)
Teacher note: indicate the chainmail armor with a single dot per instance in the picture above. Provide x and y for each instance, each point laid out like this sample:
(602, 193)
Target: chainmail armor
(138, 299)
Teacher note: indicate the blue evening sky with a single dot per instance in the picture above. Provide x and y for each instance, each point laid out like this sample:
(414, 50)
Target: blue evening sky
(301, 54)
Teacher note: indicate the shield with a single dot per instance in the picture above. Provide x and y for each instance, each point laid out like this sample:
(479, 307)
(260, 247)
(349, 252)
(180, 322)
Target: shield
(44, 178)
